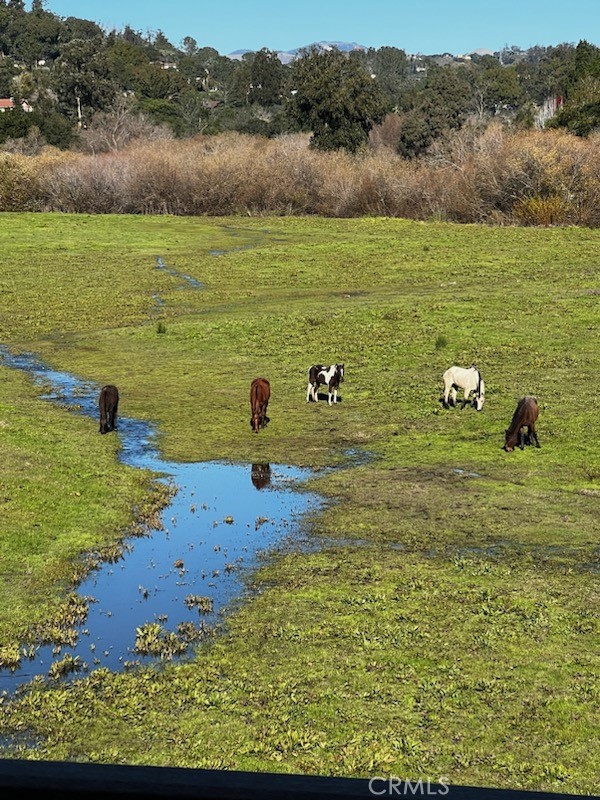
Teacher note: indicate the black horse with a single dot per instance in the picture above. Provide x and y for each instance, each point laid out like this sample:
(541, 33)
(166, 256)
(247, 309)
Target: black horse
(108, 403)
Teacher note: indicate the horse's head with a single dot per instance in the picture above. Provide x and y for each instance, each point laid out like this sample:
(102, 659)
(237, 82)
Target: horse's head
(340, 371)
(478, 401)
(510, 441)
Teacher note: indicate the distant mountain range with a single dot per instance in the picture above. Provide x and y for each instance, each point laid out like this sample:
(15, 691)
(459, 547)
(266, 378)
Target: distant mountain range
(286, 56)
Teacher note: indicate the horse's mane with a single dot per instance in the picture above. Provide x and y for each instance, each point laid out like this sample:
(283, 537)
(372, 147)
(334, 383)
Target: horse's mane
(475, 367)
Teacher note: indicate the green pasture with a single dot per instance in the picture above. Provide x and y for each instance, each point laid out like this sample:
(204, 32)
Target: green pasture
(449, 625)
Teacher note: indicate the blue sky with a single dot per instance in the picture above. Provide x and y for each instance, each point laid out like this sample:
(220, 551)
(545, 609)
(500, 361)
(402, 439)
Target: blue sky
(425, 26)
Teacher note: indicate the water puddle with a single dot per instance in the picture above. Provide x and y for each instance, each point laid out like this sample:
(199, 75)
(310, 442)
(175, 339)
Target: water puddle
(466, 474)
(222, 518)
(189, 280)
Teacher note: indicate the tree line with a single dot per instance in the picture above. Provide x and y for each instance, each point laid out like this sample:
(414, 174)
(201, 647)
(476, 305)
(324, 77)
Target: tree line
(98, 90)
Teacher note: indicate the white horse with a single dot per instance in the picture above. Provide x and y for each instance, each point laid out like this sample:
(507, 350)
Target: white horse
(468, 379)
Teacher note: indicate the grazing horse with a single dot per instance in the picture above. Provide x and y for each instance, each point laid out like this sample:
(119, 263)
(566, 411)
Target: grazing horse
(108, 403)
(260, 392)
(260, 475)
(468, 379)
(319, 375)
(525, 415)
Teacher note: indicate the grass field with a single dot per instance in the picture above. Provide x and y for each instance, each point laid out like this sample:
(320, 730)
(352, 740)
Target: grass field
(450, 626)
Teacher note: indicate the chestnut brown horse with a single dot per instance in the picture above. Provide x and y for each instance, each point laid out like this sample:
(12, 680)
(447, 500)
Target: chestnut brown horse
(108, 403)
(260, 392)
(525, 416)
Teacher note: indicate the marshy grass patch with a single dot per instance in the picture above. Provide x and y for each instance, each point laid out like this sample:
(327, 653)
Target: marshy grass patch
(448, 623)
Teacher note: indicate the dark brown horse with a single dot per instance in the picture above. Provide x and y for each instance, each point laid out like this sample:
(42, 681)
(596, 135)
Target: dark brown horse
(260, 392)
(525, 416)
(109, 402)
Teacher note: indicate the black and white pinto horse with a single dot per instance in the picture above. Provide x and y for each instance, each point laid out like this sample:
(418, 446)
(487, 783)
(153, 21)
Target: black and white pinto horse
(468, 379)
(318, 375)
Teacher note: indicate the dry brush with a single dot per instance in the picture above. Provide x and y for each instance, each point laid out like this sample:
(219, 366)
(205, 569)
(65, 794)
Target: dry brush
(496, 175)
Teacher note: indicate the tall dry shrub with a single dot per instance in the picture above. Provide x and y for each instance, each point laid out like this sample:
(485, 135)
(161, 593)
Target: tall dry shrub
(522, 177)
(159, 180)
(225, 176)
(464, 174)
(588, 203)
(297, 175)
(87, 184)
(377, 184)
(19, 186)
(386, 135)
(113, 130)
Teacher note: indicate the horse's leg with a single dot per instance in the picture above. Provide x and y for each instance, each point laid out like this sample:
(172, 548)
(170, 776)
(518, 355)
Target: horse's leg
(309, 392)
(447, 388)
(453, 397)
(465, 399)
(103, 428)
(335, 395)
(522, 438)
(534, 434)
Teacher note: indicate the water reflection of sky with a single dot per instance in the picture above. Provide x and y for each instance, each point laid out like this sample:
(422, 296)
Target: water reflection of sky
(220, 519)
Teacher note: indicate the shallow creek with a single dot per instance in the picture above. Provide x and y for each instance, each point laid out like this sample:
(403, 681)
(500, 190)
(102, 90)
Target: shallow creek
(220, 519)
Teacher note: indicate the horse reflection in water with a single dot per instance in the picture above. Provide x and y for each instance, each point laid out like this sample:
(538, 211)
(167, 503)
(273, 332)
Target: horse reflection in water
(260, 475)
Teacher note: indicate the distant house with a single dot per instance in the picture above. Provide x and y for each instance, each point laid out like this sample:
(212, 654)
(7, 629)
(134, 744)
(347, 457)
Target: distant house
(443, 60)
(7, 103)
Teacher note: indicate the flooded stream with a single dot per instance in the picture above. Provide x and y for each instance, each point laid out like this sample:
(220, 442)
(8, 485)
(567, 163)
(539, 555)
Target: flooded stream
(220, 520)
